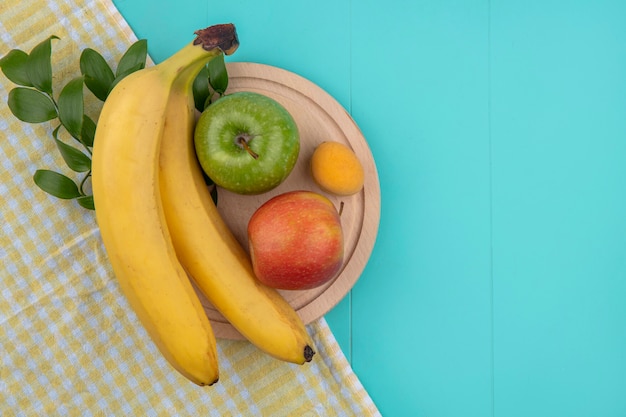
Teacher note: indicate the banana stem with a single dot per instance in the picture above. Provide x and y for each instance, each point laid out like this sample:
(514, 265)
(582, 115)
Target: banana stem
(213, 41)
(222, 36)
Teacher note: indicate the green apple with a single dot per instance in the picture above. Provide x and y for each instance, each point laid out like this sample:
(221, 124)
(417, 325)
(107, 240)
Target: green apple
(247, 142)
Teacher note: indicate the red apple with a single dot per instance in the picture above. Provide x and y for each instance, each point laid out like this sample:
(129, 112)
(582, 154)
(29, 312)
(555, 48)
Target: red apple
(296, 241)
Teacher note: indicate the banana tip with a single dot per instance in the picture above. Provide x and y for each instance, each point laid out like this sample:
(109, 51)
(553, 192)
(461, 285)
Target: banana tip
(208, 384)
(308, 353)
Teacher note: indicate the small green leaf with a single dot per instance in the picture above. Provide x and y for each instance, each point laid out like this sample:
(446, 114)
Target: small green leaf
(14, 66)
(30, 105)
(218, 76)
(123, 75)
(97, 73)
(86, 201)
(201, 89)
(71, 107)
(207, 102)
(56, 184)
(39, 66)
(74, 158)
(88, 132)
(133, 59)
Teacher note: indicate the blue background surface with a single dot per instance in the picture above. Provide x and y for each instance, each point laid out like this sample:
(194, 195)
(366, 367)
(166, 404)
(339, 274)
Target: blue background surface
(497, 286)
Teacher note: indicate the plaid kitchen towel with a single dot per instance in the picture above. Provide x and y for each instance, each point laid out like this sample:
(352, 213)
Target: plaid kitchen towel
(69, 343)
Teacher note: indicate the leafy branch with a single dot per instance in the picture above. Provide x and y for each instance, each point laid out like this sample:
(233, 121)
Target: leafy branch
(33, 101)
(212, 80)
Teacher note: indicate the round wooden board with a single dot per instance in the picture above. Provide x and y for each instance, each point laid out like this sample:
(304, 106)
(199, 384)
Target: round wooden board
(319, 118)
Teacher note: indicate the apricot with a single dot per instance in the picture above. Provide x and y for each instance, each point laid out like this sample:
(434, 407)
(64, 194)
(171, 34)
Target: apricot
(336, 169)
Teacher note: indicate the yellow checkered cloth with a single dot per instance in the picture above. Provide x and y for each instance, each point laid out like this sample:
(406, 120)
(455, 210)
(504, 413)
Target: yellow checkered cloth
(69, 343)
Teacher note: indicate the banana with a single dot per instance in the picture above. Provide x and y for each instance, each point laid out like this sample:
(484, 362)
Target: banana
(125, 182)
(211, 254)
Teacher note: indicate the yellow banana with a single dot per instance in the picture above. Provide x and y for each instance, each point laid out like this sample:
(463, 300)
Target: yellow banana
(125, 180)
(211, 254)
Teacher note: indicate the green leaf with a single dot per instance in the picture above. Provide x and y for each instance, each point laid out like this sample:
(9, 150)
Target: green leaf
(71, 107)
(133, 59)
(56, 184)
(123, 75)
(207, 102)
(30, 105)
(74, 158)
(218, 76)
(88, 132)
(201, 89)
(97, 73)
(39, 66)
(14, 66)
(86, 201)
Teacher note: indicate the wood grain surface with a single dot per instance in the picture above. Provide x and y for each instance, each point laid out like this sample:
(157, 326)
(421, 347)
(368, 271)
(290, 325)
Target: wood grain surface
(319, 118)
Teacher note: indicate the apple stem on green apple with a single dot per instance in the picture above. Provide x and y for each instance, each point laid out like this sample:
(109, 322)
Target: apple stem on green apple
(242, 140)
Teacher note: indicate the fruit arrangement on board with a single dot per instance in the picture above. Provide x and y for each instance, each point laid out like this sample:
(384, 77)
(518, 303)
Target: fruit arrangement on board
(154, 167)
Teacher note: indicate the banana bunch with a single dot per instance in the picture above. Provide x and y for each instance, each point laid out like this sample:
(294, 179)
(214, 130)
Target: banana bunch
(160, 226)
